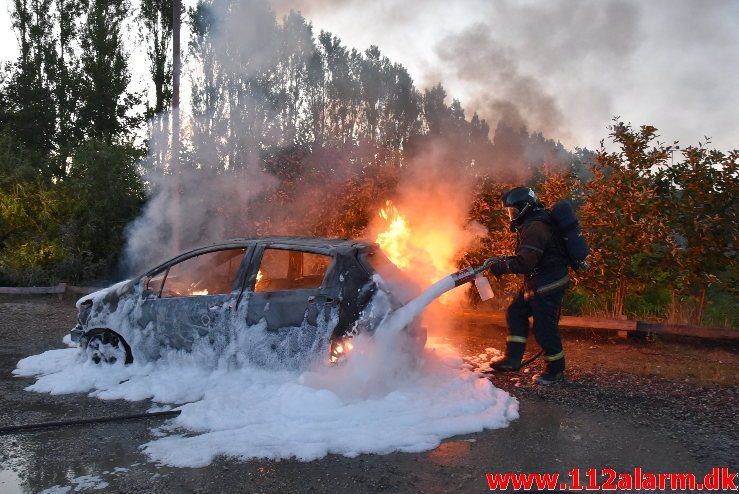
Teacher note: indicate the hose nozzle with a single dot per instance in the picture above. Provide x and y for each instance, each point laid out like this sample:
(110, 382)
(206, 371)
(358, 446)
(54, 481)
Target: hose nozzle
(463, 276)
(468, 274)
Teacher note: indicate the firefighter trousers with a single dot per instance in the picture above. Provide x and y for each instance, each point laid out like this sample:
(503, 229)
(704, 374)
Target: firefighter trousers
(545, 310)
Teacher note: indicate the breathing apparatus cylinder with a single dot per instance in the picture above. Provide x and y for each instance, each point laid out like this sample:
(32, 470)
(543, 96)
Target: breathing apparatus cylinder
(566, 220)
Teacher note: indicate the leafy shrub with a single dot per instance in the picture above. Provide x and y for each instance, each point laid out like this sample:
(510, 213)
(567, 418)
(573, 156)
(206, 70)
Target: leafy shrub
(653, 303)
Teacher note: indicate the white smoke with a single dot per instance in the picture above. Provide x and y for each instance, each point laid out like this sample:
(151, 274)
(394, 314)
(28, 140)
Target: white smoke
(669, 63)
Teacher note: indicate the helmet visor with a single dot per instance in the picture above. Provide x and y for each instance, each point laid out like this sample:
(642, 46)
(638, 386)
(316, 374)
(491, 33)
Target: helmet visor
(512, 213)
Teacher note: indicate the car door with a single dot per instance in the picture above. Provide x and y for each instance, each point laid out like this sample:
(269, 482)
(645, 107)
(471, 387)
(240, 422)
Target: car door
(193, 298)
(288, 286)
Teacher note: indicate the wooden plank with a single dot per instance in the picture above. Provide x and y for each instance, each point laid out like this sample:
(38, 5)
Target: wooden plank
(61, 288)
(687, 330)
(481, 315)
(597, 323)
(83, 290)
(565, 322)
(33, 290)
(621, 325)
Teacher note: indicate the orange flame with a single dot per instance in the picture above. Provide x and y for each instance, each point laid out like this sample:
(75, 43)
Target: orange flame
(260, 285)
(421, 245)
(340, 349)
(424, 240)
(394, 240)
(199, 292)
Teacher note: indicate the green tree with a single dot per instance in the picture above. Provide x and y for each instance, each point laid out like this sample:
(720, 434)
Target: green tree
(156, 24)
(621, 215)
(105, 107)
(155, 18)
(32, 211)
(64, 203)
(67, 81)
(109, 191)
(31, 108)
(700, 192)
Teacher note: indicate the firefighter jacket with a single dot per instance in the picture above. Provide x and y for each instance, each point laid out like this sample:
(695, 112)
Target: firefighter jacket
(540, 253)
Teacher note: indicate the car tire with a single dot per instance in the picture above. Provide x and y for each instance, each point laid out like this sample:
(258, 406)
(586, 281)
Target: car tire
(106, 347)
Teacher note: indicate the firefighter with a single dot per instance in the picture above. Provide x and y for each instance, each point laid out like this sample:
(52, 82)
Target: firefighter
(541, 257)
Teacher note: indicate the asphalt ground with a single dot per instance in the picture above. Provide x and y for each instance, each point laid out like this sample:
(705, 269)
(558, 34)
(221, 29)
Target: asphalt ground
(666, 407)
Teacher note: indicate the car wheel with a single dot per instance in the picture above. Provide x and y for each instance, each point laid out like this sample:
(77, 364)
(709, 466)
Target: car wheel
(107, 348)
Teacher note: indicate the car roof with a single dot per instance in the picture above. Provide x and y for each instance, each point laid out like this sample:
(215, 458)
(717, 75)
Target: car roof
(315, 243)
(319, 245)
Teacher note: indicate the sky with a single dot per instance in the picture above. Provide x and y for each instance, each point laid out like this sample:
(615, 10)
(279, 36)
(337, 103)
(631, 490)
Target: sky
(562, 67)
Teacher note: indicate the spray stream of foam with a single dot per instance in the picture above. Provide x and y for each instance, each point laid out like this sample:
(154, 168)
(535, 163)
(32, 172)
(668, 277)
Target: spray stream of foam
(403, 316)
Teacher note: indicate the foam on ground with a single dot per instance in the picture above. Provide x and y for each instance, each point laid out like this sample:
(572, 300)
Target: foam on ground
(387, 397)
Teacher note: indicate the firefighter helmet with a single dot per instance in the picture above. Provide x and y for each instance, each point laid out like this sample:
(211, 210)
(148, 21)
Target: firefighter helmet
(518, 202)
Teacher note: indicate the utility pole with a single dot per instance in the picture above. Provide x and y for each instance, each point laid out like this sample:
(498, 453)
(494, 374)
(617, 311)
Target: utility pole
(176, 9)
(175, 158)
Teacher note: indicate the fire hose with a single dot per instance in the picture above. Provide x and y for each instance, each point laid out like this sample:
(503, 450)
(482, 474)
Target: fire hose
(12, 429)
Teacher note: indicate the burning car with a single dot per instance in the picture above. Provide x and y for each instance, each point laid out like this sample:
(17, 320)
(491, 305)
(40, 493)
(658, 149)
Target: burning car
(268, 300)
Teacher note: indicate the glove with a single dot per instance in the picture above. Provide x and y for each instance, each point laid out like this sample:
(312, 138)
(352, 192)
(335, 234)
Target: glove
(500, 267)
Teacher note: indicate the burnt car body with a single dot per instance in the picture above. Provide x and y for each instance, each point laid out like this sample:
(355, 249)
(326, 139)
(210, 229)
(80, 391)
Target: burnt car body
(277, 298)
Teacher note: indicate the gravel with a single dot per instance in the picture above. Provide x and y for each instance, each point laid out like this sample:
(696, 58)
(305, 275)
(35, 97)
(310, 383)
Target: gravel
(703, 418)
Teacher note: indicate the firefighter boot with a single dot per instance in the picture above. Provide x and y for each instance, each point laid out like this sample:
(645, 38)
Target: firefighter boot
(515, 346)
(555, 371)
(546, 378)
(505, 364)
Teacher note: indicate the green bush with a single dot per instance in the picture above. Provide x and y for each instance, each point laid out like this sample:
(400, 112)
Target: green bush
(722, 309)
(653, 303)
(574, 302)
(68, 230)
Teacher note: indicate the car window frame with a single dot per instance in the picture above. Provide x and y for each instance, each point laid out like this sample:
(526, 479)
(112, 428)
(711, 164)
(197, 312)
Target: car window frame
(238, 281)
(256, 262)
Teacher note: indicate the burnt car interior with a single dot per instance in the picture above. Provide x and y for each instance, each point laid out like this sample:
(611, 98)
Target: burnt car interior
(211, 273)
(214, 273)
(290, 269)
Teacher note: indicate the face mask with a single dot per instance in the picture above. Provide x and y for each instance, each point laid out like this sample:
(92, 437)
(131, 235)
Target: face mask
(512, 213)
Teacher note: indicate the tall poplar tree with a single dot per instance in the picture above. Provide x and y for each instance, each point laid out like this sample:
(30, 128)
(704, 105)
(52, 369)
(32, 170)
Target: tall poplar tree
(67, 80)
(31, 114)
(155, 18)
(105, 101)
